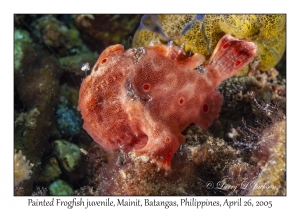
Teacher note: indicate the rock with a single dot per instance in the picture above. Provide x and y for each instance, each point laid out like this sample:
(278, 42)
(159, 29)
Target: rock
(50, 171)
(60, 188)
(68, 154)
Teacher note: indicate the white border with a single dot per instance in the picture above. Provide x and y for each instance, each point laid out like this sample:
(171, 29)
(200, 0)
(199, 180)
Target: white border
(8, 8)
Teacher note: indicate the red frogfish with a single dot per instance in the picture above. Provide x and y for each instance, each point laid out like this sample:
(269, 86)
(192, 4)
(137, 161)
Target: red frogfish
(140, 100)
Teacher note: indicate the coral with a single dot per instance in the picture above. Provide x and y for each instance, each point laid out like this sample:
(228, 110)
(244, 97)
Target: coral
(57, 35)
(206, 41)
(271, 50)
(203, 160)
(21, 37)
(72, 63)
(45, 71)
(272, 157)
(153, 107)
(253, 27)
(102, 30)
(268, 87)
(115, 173)
(40, 191)
(172, 28)
(68, 95)
(234, 88)
(200, 33)
(36, 85)
(22, 168)
(68, 121)
(266, 143)
(60, 188)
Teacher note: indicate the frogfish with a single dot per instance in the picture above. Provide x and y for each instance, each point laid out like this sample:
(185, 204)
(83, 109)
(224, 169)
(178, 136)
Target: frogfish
(140, 100)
